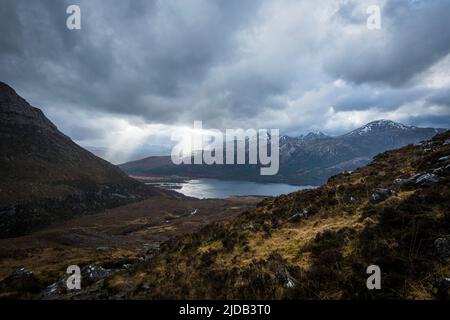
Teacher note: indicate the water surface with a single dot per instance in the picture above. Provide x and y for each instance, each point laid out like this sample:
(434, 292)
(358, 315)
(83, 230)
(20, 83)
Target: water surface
(219, 189)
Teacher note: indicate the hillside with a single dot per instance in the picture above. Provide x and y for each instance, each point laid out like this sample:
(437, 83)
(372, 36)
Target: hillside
(315, 244)
(46, 176)
(305, 160)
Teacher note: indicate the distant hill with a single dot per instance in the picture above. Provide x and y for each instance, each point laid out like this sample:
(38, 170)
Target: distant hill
(45, 176)
(117, 156)
(308, 159)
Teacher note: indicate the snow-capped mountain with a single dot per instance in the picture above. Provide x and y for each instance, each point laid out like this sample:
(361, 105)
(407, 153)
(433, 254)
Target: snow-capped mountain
(306, 159)
(380, 126)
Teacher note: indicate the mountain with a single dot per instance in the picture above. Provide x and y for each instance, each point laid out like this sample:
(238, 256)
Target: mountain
(46, 177)
(306, 160)
(120, 156)
(313, 136)
(313, 244)
(380, 126)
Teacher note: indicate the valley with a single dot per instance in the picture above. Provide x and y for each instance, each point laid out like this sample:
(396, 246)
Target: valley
(60, 206)
(310, 244)
(115, 237)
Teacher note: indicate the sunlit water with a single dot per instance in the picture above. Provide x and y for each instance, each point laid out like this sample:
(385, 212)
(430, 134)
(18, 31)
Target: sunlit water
(219, 189)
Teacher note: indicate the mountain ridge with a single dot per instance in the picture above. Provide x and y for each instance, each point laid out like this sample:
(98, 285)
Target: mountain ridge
(46, 176)
(305, 160)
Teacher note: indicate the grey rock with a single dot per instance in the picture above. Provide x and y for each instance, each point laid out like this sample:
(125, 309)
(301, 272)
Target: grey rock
(442, 246)
(152, 246)
(420, 179)
(446, 142)
(438, 170)
(6, 210)
(442, 171)
(402, 182)
(443, 287)
(95, 273)
(290, 283)
(56, 288)
(298, 216)
(445, 158)
(118, 195)
(427, 179)
(149, 256)
(22, 272)
(249, 227)
(379, 195)
(285, 278)
(21, 280)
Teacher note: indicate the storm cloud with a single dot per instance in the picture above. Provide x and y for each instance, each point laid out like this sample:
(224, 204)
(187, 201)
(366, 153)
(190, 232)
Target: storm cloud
(138, 69)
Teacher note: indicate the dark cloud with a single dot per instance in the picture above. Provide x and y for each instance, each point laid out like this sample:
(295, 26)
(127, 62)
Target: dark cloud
(432, 121)
(440, 97)
(229, 63)
(363, 98)
(414, 36)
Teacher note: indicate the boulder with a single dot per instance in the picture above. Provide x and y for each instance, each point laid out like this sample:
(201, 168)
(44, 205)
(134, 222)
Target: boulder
(250, 227)
(407, 181)
(427, 179)
(442, 246)
(442, 287)
(152, 246)
(420, 179)
(93, 273)
(149, 256)
(402, 182)
(379, 195)
(7, 210)
(298, 216)
(283, 277)
(22, 281)
(442, 171)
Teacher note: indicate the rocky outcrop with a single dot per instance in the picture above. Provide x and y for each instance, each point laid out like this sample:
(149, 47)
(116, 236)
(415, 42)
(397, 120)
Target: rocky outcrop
(21, 281)
(420, 179)
(380, 194)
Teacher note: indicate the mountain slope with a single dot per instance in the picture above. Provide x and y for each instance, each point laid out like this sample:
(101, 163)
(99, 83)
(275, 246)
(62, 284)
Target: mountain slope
(45, 175)
(307, 160)
(317, 244)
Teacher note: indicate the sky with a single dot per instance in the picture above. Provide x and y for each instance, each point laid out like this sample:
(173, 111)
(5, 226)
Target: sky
(139, 70)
